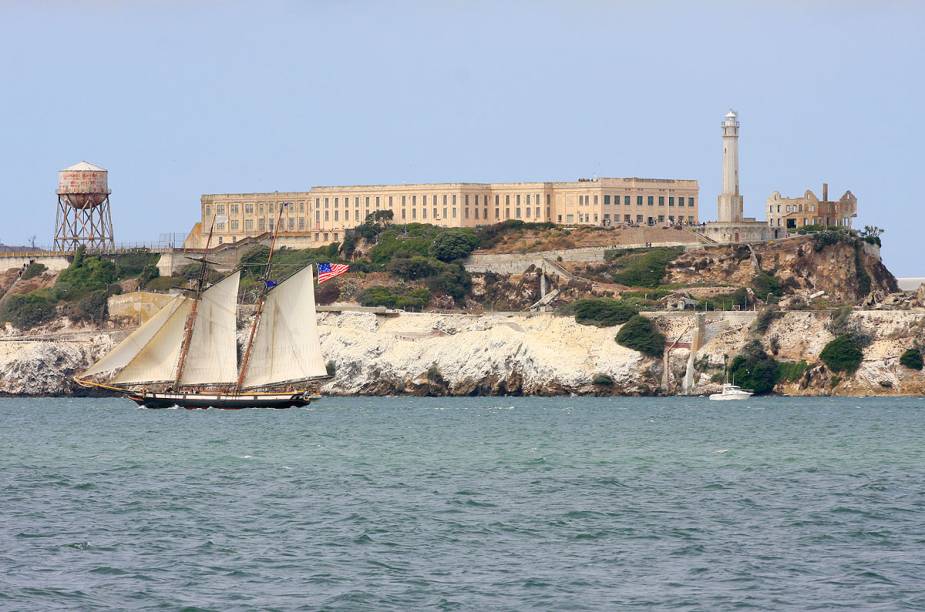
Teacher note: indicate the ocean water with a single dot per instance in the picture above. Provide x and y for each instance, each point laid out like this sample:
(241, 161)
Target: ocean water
(475, 503)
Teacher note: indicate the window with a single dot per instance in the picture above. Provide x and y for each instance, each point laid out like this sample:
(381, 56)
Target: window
(414, 213)
(208, 211)
(220, 209)
(507, 200)
(476, 211)
(661, 218)
(670, 200)
(651, 200)
(517, 212)
(606, 199)
(390, 201)
(248, 209)
(356, 215)
(335, 203)
(444, 199)
(366, 204)
(248, 224)
(497, 210)
(454, 199)
(291, 224)
(537, 212)
(301, 223)
(335, 210)
(661, 200)
(403, 199)
(639, 200)
(377, 202)
(626, 200)
(454, 212)
(466, 212)
(527, 210)
(326, 218)
(301, 207)
(424, 213)
(467, 200)
(595, 200)
(234, 209)
(317, 204)
(496, 199)
(507, 213)
(547, 199)
(234, 224)
(326, 202)
(414, 200)
(402, 213)
(690, 220)
(270, 222)
(518, 201)
(528, 199)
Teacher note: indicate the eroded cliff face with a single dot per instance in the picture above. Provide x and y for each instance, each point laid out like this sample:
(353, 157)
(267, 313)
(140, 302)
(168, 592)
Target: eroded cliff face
(846, 271)
(541, 354)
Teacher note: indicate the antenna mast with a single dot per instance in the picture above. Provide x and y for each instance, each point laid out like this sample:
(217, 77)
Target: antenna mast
(261, 300)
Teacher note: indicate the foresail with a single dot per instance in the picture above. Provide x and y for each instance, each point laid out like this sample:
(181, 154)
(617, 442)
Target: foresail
(286, 346)
(157, 361)
(128, 349)
(213, 350)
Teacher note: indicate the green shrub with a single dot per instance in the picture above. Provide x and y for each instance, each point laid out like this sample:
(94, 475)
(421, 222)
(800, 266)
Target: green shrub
(133, 263)
(27, 311)
(413, 268)
(791, 371)
(644, 267)
(912, 359)
(165, 283)
(640, 334)
(331, 368)
(765, 284)
(602, 380)
(843, 354)
(454, 244)
(148, 273)
(754, 369)
(603, 312)
(395, 297)
(434, 375)
(91, 308)
(33, 269)
(453, 280)
(490, 235)
(85, 275)
(826, 237)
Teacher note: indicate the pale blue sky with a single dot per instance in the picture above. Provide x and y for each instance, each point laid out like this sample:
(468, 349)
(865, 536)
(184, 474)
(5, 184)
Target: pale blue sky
(177, 99)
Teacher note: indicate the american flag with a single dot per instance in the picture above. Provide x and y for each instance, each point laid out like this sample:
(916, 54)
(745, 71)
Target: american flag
(327, 271)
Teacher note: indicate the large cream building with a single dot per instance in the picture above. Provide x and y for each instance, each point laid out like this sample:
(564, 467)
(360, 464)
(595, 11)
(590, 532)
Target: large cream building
(322, 214)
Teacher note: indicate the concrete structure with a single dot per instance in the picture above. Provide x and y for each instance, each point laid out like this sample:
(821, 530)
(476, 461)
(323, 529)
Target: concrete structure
(785, 214)
(137, 306)
(84, 217)
(731, 224)
(322, 214)
(16, 259)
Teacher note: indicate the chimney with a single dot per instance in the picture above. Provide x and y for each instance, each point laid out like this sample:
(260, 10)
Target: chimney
(825, 192)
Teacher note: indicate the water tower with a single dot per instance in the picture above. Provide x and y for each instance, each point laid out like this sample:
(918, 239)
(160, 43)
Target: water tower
(84, 216)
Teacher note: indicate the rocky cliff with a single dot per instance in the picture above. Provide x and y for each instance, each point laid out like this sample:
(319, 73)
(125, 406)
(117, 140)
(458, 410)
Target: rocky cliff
(543, 354)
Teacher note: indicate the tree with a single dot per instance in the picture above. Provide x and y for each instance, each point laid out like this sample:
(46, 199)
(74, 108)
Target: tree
(641, 335)
(912, 359)
(603, 312)
(843, 354)
(454, 244)
(754, 369)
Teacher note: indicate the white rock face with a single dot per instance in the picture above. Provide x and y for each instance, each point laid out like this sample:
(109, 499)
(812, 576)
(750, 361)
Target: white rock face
(46, 367)
(462, 354)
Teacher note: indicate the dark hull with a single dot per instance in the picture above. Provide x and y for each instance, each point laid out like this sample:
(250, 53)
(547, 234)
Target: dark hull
(227, 402)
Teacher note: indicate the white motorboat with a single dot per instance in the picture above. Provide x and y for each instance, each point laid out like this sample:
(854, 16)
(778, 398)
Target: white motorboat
(731, 392)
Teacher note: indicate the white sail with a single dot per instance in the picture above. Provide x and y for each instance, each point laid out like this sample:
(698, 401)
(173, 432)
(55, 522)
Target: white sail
(157, 360)
(213, 352)
(286, 346)
(129, 348)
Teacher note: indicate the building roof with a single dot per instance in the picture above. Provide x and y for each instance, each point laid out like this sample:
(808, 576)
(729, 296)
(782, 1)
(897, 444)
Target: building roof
(84, 166)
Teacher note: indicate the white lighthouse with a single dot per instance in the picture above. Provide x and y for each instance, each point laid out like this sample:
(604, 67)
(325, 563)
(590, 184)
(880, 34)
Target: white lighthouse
(729, 203)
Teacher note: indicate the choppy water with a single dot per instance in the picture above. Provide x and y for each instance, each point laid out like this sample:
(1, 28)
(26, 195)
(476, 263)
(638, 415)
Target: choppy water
(489, 503)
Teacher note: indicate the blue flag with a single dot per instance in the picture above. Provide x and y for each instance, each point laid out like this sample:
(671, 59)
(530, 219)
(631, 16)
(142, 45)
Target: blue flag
(270, 284)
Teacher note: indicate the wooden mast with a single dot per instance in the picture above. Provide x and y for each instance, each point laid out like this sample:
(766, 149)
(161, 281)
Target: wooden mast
(191, 319)
(261, 300)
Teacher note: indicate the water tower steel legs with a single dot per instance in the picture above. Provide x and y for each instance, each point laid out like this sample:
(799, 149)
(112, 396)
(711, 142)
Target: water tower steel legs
(90, 226)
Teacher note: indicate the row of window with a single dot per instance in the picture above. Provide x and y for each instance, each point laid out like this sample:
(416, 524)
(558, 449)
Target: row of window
(627, 200)
(640, 219)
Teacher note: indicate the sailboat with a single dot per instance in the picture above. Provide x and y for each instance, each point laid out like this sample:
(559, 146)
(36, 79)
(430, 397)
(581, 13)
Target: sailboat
(186, 355)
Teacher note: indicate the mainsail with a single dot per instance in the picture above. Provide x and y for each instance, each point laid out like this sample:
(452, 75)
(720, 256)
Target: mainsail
(213, 351)
(127, 350)
(286, 346)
